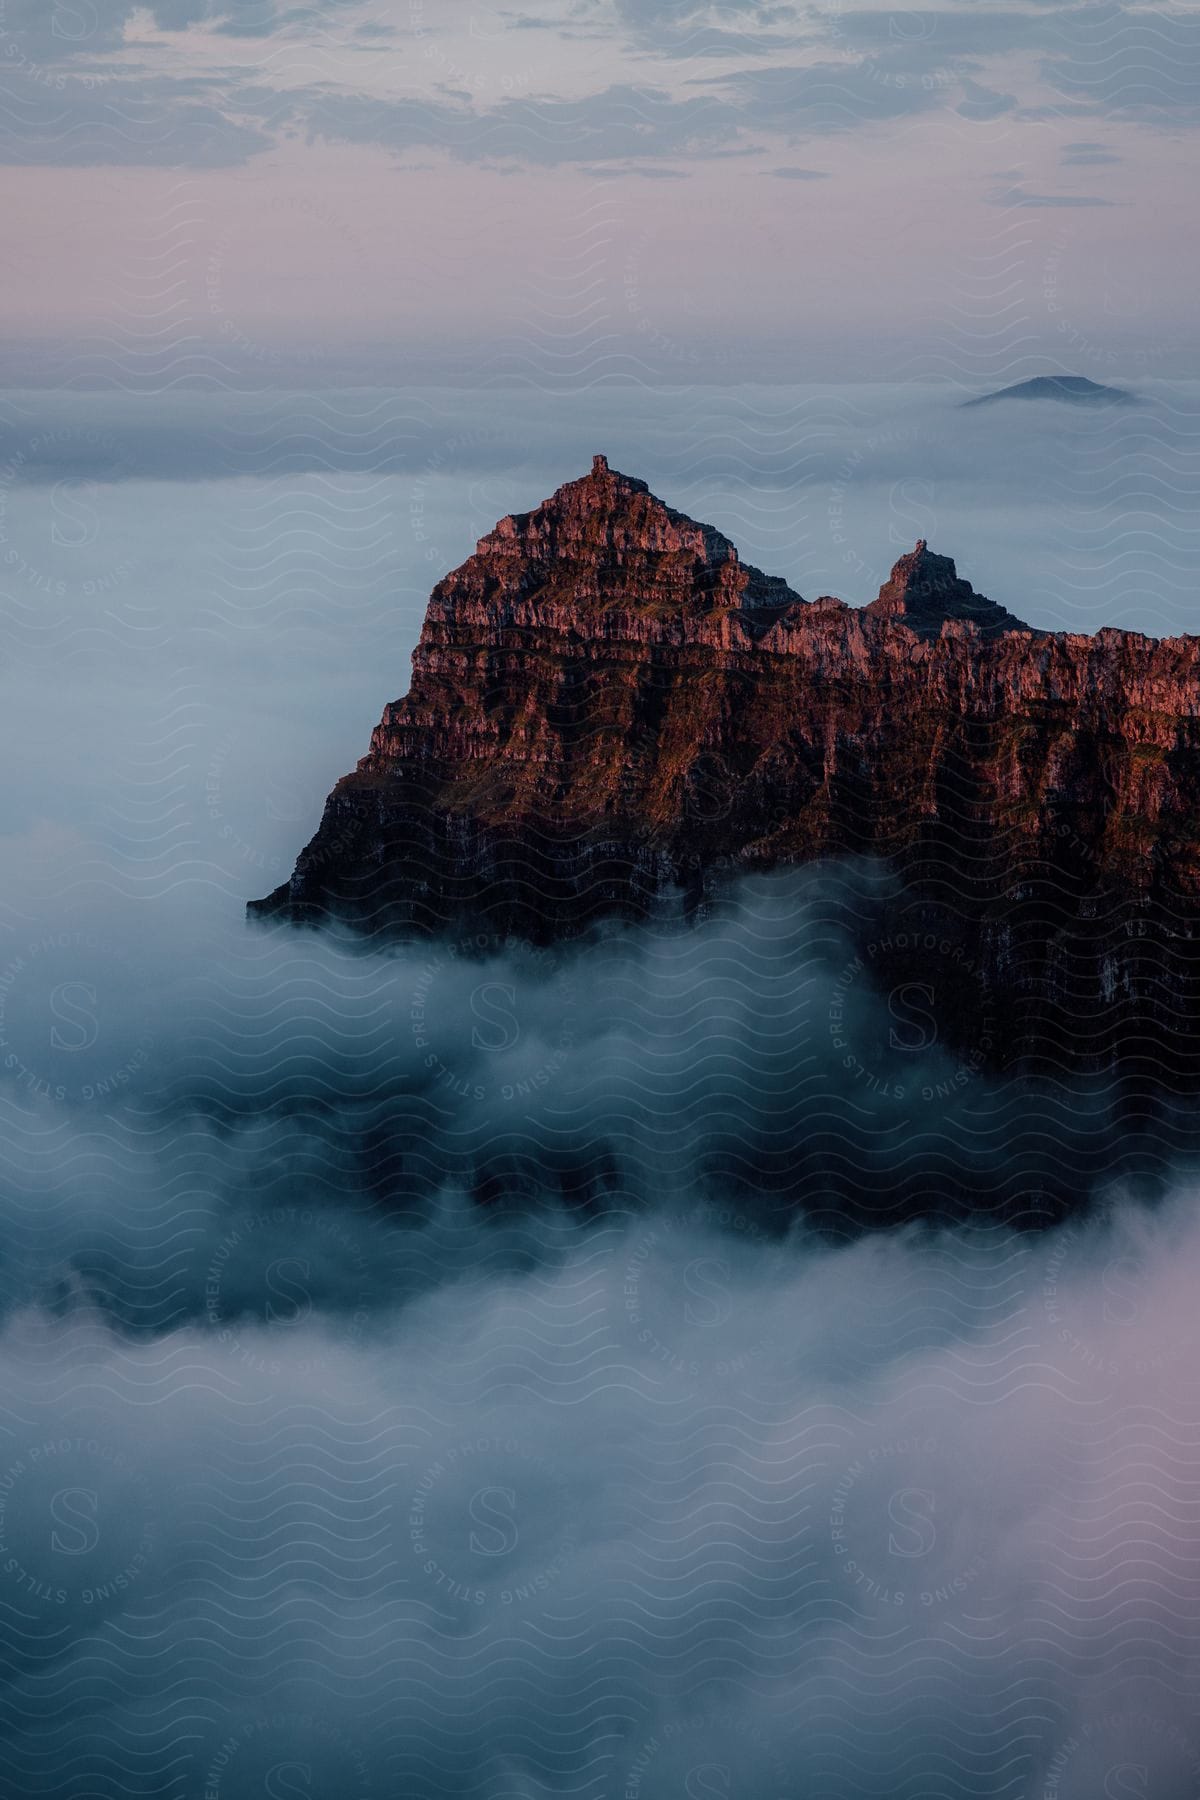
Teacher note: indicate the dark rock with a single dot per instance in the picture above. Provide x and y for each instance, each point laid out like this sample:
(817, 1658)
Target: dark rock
(608, 708)
(1071, 390)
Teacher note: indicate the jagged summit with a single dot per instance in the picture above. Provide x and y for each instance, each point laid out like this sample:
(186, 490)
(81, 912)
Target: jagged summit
(924, 590)
(603, 512)
(605, 540)
(608, 709)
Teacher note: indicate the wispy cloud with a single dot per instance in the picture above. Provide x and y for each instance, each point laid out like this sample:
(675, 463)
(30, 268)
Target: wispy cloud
(1087, 155)
(1022, 197)
(147, 122)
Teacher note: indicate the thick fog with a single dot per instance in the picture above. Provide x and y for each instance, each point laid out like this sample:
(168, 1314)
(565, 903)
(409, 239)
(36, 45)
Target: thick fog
(301, 1489)
(463, 1369)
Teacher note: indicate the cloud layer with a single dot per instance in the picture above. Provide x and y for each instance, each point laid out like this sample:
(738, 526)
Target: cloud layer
(68, 96)
(527, 1501)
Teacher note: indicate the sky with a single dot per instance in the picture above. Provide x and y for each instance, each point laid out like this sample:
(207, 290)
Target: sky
(581, 190)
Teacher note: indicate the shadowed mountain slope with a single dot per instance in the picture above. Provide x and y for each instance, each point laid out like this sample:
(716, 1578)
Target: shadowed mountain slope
(610, 714)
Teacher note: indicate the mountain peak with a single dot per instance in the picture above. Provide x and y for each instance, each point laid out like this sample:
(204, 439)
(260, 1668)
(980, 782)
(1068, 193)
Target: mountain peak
(925, 589)
(1074, 390)
(602, 479)
(605, 538)
(605, 485)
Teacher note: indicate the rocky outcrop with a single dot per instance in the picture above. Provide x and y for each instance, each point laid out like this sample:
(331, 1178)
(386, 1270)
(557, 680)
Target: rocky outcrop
(610, 712)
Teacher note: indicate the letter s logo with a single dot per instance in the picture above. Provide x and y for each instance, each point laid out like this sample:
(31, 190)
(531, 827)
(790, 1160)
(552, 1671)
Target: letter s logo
(709, 792)
(708, 1781)
(286, 1277)
(1123, 1282)
(71, 1002)
(288, 1781)
(492, 1508)
(919, 1027)
(501, 1021)
(913, 516)
(75, 525)
(75, 1510)
(707, 1282)
(283, 803)
(492, 498)
(75, 22)
(911, 1510)
(911, 27)
(1127, 1781)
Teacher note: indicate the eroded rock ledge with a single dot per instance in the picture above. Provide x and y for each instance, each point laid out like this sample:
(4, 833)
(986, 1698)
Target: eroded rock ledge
(608, 707)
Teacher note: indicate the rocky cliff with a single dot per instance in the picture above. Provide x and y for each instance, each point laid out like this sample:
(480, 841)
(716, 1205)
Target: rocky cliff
(610, 712)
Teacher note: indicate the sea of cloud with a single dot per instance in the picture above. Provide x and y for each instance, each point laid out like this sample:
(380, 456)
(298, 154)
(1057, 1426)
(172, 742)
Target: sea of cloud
(463, 1368)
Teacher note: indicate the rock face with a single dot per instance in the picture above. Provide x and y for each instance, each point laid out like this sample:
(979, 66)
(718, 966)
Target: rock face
(609, 709)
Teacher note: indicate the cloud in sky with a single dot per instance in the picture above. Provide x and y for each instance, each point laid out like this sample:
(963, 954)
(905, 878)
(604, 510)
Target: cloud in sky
(619, 123)
(1126, 62)
(1107, 59)
(979, 102)
(1018, 196)
(402, 148)
(63, 30)
(153, 122)
(1087, 155)
(717, 28)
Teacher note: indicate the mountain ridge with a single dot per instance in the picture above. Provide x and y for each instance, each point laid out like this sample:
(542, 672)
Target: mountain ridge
(610, 712)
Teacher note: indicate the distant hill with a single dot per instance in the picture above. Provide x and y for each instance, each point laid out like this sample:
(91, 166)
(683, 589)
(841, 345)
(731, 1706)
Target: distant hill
(1073, 390)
